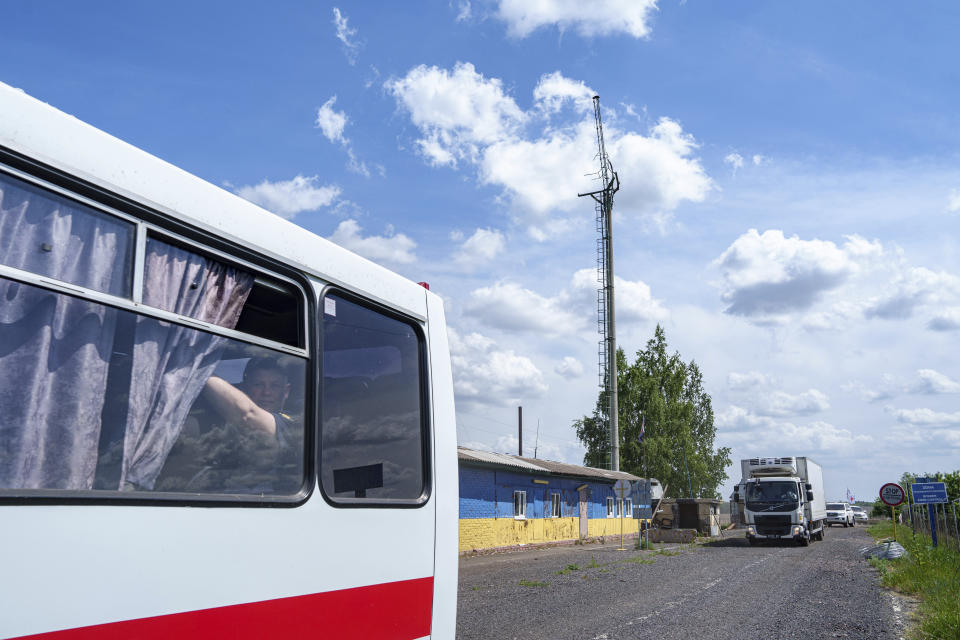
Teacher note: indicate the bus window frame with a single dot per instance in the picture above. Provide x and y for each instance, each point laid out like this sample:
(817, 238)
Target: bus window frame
(426, 416)
(165, 226)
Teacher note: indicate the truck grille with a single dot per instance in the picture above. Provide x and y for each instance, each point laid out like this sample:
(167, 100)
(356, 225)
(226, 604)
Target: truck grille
(773, 525)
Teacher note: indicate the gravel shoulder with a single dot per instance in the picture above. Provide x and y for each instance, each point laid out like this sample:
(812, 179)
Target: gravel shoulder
(724, 589)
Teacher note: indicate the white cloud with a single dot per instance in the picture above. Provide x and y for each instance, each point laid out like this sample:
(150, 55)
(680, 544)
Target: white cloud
(759, 159)
(735, 160)
(744, 381)
(781, 403)
(464, 117)
(483, 246)
(287, 198)
(456, 111)
(769, 274)
(912, 288)
(464, 10)
(953, 201)
(884, 390)
(946, 320)
(758, 435)
(483, 374)
(944, 441)
(589, 19)
(331, 122)
(771, 279)
(346, 36)
(934, 382)
(390, 247)
(554, 90)
(633, 299)
(926, 417)
(507, 305)
(570, 368)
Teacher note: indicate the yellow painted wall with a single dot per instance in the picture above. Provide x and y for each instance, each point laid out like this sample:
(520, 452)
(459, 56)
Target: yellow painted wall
(610, 526)
(485, 533)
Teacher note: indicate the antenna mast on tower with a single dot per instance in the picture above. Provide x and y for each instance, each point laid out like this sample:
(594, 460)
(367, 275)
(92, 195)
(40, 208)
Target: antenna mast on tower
(606, 324)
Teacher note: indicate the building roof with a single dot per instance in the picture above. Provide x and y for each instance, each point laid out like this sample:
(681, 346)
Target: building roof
(535, 465)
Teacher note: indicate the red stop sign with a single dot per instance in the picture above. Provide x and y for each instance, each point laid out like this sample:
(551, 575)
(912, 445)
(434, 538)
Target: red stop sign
(892, 494)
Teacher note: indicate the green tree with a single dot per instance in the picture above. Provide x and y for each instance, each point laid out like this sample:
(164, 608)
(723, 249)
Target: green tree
(665, 395)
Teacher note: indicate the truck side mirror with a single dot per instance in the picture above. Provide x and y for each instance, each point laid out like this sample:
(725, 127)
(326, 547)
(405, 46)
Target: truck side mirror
(809, 495)
(808, 487)
(736, 497)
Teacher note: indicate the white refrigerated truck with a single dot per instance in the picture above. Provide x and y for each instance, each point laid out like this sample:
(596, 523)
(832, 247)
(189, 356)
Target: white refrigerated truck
(783, 499)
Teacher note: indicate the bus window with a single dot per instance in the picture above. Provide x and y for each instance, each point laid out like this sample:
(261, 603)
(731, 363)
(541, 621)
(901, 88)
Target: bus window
(52, 236)
(120, 398)
(373, 434)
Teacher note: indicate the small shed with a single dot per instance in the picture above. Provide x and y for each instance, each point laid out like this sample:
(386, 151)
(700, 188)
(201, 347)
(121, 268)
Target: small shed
(701, 514)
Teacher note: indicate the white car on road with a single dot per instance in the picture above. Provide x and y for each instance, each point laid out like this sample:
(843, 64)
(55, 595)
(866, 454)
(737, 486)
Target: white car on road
(839, 513)
(859, 513)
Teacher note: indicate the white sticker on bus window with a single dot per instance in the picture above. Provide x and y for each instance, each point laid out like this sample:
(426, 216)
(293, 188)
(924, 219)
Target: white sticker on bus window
(330, 306)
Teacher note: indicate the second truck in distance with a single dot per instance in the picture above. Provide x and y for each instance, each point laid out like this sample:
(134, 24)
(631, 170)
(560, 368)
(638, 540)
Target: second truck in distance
(783, 499)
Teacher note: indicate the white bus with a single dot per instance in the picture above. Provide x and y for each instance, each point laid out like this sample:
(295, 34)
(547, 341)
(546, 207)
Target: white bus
(213, 423)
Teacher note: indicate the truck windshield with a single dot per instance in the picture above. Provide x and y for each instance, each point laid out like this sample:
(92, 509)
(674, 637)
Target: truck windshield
(772, 496)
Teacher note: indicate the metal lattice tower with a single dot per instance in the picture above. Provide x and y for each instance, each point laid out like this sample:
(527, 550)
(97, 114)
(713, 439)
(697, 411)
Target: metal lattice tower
(606, 318)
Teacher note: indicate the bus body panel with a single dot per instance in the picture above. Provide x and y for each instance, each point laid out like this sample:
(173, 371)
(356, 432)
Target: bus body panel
(75, 566)
(217, 569)
(446, 491)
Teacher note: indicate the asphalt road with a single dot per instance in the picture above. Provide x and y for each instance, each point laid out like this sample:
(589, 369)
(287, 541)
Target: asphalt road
(718, 590)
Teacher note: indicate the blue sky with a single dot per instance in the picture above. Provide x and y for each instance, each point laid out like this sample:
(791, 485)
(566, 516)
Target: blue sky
(790, 200)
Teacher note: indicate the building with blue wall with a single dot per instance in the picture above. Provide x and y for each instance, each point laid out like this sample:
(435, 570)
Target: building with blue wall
(509, 500)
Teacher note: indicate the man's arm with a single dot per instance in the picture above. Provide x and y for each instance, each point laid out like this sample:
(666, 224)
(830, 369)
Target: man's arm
(237, 407)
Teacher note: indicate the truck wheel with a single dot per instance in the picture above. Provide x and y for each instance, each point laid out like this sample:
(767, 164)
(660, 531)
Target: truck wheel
(752, 541)
(805, 541)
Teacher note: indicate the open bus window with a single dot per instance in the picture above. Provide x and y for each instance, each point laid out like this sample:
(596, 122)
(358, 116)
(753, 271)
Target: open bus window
(372, 438)
(264, 307)
(52, 236)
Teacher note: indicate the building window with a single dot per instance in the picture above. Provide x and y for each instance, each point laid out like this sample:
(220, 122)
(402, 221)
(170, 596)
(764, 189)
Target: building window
(555, 504)
(520, 505)
(628, 508)
(611, 508)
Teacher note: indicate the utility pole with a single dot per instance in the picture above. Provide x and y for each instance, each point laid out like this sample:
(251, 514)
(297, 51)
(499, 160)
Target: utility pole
(606, 318)
(536, 443)
(520, 428)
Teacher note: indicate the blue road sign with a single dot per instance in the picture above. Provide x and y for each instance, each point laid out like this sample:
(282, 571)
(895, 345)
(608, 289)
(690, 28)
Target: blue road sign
(929, 492)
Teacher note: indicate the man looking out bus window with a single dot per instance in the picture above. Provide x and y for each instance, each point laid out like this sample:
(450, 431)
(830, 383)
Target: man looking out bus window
(258, 403)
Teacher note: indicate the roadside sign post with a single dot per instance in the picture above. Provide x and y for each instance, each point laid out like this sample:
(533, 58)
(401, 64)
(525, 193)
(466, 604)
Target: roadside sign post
(893, 494)
(930, 494)
(621, 489)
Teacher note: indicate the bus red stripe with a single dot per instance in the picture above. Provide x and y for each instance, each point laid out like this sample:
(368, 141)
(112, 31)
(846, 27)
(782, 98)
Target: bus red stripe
(400, 610)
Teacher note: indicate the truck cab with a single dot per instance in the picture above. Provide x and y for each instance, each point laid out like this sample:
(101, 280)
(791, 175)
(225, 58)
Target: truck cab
(783, 499)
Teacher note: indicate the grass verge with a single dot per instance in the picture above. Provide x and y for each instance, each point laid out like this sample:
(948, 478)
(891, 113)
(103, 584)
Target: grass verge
(931, 574)
(533, 583)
